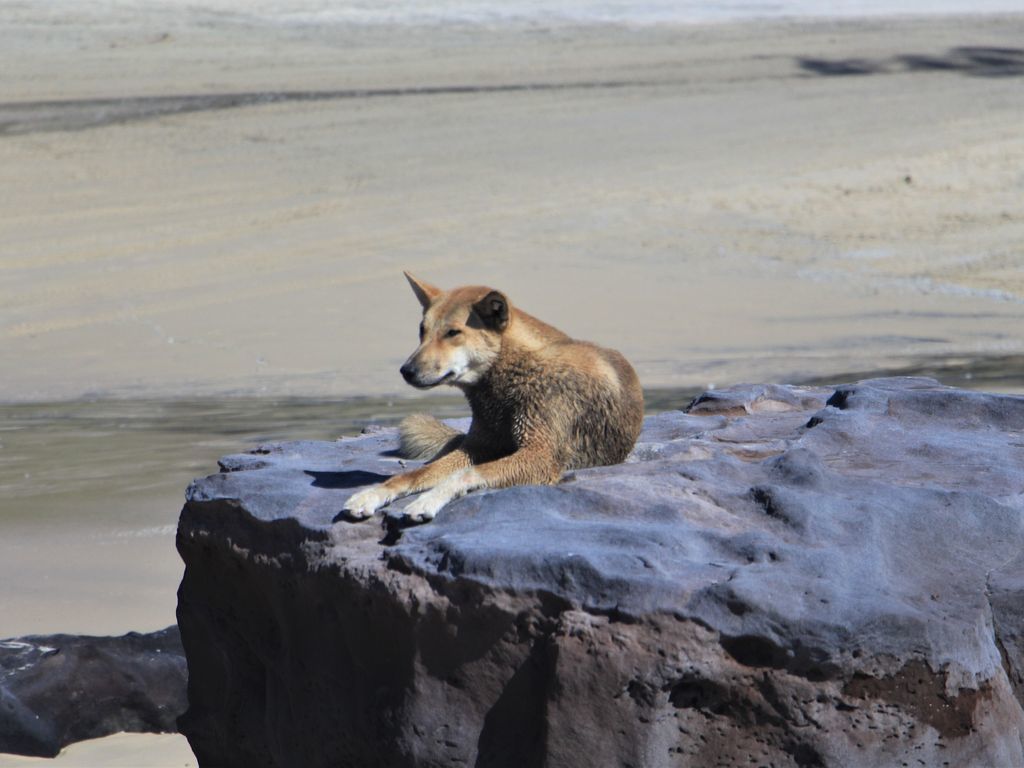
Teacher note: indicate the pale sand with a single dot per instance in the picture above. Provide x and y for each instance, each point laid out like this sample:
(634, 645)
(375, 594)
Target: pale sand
(731, 215)
(697, 198)
(124, 750)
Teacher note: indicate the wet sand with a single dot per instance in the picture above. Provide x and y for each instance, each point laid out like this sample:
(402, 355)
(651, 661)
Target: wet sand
(197, 209)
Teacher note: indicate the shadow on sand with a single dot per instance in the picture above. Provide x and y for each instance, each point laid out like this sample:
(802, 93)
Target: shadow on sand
(974, 61)
(79, 114)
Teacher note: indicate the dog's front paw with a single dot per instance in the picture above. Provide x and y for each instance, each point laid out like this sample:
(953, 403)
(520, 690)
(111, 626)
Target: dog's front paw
(426, 507)
(363, 504)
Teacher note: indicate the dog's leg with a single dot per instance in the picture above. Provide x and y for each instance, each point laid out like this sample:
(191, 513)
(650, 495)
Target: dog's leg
(527, 466)
(363, 504)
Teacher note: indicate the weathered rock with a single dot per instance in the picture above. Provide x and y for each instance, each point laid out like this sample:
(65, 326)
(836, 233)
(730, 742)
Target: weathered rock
(58, 689)
(779, 576)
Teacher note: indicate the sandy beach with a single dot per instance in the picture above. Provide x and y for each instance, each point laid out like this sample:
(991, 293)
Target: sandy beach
(206, 206)
(766, 201)
(125, 750)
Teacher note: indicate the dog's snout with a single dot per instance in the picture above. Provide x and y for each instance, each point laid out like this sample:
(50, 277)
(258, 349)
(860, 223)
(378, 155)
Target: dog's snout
(408, 372)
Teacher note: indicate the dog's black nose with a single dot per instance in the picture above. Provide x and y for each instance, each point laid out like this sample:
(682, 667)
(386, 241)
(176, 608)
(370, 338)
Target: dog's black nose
(408, 372)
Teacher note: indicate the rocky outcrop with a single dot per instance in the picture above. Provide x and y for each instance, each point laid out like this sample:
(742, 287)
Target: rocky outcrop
(58, 689)
(777, 576)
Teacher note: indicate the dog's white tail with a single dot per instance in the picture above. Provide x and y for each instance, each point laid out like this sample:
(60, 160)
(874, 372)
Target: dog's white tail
(424, 437)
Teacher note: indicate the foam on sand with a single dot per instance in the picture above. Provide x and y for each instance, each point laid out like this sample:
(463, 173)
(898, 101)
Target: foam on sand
(526, 12)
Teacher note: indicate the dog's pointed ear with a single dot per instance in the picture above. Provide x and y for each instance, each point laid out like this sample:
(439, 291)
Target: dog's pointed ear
(425, 292)
(493, 310)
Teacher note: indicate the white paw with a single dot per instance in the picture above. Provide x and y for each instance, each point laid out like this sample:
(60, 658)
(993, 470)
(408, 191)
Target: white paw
(363, 504)
(426, 506)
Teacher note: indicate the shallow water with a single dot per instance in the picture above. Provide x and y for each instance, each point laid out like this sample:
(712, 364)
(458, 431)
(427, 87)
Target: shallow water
(90, 494)
(71, 458)
(90, 491)
(540, 12)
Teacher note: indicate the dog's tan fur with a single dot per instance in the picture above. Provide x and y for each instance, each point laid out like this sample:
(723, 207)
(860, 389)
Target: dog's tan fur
(542, 402)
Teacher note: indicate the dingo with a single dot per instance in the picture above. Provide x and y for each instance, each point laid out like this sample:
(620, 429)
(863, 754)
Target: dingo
(542, 402)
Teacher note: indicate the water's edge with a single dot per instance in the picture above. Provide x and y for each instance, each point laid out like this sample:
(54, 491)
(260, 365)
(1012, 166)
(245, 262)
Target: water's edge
(58, 454)
(90, 491)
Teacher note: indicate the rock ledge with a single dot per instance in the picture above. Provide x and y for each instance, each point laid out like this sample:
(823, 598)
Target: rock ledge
(777, 576)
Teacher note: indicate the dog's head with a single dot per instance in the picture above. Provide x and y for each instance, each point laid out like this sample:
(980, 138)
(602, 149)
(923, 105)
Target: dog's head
(460, 335)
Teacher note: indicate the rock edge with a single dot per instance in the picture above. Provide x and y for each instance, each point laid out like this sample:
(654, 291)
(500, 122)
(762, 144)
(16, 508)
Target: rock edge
(793, 576)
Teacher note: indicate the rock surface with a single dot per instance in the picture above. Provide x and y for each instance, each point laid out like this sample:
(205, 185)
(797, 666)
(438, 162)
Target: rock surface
(777, 576)
(58, 689)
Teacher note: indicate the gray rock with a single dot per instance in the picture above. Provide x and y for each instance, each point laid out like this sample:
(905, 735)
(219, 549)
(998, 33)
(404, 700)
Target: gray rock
(58, 689)
(777, 576)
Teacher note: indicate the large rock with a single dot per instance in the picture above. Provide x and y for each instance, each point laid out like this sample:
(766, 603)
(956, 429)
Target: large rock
(778, 576)
(57, 689)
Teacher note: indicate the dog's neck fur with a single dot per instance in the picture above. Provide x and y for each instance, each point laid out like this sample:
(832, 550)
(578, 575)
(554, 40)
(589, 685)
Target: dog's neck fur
(494, 396)
(526, 332)
(524, 335)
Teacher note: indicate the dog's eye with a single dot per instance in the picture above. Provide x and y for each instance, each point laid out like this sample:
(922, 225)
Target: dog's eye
(423, 332)
(452, 332)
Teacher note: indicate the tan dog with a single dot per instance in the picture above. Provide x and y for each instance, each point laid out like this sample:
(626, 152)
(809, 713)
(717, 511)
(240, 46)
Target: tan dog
(542, 402)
